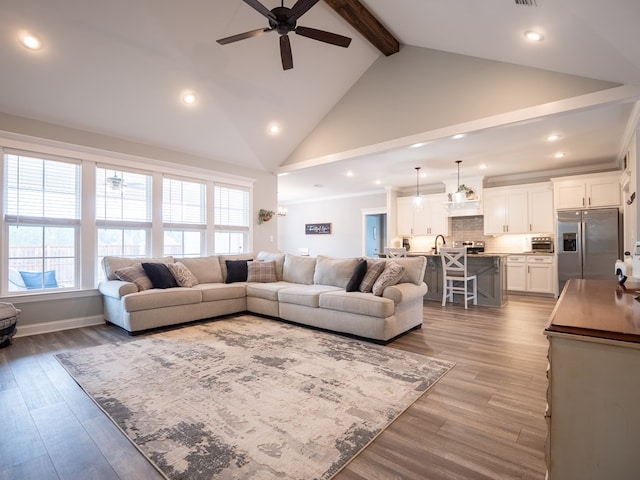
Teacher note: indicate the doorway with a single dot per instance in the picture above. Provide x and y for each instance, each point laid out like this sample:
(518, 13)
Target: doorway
(375, 237)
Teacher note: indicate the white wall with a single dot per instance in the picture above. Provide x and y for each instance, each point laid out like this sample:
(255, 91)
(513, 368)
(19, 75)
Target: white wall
(345, 216)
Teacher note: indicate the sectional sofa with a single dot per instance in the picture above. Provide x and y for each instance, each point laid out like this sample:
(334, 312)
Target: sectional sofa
(305, 290)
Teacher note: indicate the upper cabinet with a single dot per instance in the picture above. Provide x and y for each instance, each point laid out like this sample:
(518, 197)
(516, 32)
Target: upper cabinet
(587, 191)
(431, 219)
(519, 209)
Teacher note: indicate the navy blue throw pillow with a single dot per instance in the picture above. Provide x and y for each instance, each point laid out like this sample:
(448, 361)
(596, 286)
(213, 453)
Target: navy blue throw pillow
(160, 275)
(358, 275)
(237, 270)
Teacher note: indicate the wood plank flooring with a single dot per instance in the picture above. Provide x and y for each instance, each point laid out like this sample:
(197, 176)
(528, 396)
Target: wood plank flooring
(483, 420)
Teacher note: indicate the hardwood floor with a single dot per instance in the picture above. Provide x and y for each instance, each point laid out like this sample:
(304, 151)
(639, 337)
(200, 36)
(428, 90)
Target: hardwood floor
(483, 420)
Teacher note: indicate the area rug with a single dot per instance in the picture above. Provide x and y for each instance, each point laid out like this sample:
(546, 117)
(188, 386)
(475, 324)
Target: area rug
(250, 397)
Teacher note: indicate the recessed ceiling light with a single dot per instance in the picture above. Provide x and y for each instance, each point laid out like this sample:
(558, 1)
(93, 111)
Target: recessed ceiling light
(533, 36)
(482, 166)
(30, 41)
(553, 137)
(349, 173)
(418, 145)
(189, 97)
(274, 129)
(378, 182)
(559, 155)
(457, 136)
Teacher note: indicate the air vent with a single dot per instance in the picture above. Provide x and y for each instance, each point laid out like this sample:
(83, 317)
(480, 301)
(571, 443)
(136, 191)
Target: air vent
(528, 3)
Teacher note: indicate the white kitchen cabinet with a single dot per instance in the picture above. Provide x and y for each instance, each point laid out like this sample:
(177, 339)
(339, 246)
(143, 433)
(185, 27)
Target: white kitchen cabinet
(517, 273)
(521, 209)
(540, 277)
(431, 219)
(531, 273)
(587, 191)
(404, 216)
(541, 209)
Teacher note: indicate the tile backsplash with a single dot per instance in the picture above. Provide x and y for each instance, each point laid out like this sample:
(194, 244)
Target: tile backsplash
(472, 228)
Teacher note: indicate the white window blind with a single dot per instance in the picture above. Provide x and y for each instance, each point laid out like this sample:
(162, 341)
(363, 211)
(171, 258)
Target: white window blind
(183, 202)
(231, 207)
(41, 190)
(123, 197)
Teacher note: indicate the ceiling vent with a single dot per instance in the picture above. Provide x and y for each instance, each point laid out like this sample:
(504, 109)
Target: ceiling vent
(528, 3)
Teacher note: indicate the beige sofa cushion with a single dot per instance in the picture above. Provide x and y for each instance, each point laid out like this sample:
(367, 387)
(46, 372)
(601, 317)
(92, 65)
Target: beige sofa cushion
(221, 291)
(268, 291)
(111, 264)
(159, 298)
(298, 269)
(278, 258)
(205, 269)
(357, 302)
(308, 295)
(414, 268)
(334, 271)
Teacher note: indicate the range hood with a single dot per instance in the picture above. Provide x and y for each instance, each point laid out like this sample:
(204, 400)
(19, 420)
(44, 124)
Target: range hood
(468, 201)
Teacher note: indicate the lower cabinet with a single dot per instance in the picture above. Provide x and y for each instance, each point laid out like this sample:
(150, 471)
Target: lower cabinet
(531, 273)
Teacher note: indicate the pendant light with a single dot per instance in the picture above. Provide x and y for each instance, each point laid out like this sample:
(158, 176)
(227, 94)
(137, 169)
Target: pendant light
(417, 200)
(460, 194)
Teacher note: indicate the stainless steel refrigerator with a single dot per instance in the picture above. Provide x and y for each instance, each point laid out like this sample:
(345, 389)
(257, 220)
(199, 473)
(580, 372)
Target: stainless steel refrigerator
(588, 243)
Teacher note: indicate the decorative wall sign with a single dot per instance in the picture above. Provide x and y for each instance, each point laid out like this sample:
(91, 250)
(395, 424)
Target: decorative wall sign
(317, 229)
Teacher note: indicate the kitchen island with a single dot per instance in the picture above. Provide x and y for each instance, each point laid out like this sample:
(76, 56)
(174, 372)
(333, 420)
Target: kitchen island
(490, 269)
(594, 358)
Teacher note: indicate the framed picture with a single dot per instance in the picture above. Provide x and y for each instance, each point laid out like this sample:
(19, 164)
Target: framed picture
(317, 229)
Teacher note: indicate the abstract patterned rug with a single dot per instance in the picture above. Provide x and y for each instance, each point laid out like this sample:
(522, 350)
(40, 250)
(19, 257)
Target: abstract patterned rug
(250, 397)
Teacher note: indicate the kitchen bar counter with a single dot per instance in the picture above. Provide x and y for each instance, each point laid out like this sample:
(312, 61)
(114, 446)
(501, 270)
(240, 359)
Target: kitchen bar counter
(492, 278)
(594, 358)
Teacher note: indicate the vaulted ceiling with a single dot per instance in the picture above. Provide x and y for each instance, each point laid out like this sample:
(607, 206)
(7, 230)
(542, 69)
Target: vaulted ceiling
(118, 68)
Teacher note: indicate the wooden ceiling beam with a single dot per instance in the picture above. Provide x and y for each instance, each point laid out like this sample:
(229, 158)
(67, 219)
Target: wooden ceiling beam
(360, 18)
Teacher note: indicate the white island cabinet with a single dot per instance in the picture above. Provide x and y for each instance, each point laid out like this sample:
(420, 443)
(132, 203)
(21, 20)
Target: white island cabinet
(593, 399)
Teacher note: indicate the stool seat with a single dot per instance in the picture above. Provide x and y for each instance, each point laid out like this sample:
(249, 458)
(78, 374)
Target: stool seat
(456, 278)
(8, 320)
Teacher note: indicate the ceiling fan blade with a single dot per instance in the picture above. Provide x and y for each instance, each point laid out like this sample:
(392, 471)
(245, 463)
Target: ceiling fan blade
(256, 5)
(301, 7)
(322, 36)
(242, 36)
(285, 52)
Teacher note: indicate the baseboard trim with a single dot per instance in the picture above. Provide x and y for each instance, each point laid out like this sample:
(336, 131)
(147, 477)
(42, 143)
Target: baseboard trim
(48, 327)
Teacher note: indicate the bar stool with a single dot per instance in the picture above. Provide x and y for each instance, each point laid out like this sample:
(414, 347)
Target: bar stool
(455, 277)
(395, 252)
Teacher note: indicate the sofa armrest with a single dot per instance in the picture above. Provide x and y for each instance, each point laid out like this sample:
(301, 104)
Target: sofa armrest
(116, 288)
(403, 292)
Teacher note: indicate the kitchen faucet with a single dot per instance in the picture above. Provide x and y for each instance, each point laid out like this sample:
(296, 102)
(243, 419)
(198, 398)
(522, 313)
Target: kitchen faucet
(435, 243)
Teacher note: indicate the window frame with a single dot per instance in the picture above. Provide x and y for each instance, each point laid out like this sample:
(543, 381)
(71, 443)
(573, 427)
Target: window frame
(43, 222)
(89, 158)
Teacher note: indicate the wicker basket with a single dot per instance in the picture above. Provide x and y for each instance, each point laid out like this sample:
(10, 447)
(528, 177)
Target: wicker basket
(8, 320)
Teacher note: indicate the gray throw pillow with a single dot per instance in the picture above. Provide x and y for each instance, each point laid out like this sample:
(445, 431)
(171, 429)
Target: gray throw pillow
(390, 276)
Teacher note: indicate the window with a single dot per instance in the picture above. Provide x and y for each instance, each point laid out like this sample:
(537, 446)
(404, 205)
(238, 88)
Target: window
(231, 219)
(42, 221)
(183, 217)
(123, 214)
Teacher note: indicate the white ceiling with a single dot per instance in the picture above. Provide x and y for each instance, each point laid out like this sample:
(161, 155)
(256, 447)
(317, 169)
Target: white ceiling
(117, 67)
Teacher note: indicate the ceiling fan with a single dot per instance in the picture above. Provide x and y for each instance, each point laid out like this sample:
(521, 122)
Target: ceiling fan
(284, 20)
